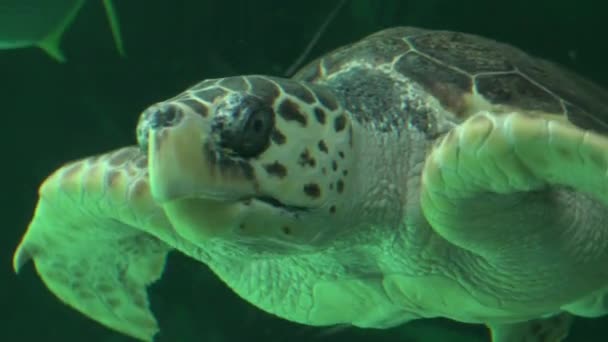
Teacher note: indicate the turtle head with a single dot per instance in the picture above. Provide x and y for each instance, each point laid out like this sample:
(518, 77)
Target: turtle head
(250, 157)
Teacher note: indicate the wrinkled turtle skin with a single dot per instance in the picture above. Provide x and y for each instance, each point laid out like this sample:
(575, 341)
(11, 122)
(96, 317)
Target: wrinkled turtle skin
(412, 174)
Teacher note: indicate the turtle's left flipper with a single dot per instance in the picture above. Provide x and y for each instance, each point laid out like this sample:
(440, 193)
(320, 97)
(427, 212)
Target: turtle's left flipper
(87, 243)
(517, 172)
(551, 329)
(527, 193)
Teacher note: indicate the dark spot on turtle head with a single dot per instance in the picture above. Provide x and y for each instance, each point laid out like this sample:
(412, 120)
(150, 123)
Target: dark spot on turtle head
(341, 154)
(345, 172)
(331, 186)
(326, 98)
(312, 190)
(340, 186)
(290, 111)
(277, 137)
(306, 159)
(332, 209)
(264, 88)
(320, 115)
(247, 170)
(196, 106)
(298, 91)
(339, 123)
(286, 230)
(334, 165)
(323, 146)
(323, 170)
(276, 169)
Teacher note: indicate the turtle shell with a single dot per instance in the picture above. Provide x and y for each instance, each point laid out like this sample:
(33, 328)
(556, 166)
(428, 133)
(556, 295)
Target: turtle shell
(456, 67)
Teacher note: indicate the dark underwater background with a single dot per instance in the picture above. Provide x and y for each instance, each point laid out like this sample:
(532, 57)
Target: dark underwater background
(52, 113)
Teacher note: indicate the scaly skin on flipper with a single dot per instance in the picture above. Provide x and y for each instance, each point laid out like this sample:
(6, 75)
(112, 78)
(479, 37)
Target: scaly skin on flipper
(89, 243)
(412, 174)
(509, 161)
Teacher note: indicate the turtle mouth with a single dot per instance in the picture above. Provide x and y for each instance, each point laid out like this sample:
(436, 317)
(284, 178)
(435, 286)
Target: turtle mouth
(248, 200)
(275, 203)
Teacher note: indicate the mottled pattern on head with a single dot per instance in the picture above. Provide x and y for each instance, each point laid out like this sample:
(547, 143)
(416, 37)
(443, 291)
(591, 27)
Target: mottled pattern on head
(285, 143)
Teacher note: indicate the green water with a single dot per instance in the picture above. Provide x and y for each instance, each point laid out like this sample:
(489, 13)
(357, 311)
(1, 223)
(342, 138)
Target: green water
(55, 112)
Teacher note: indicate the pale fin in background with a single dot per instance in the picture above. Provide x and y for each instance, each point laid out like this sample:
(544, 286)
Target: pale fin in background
(51, 43)
(112, 15)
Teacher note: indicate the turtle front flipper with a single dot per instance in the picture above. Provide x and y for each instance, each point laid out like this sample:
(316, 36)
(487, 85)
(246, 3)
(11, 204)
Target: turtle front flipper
(90, 241)
(527, 194)
(550, 329)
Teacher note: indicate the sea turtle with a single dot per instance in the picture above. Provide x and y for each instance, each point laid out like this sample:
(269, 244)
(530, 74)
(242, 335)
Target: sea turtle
(412, 174)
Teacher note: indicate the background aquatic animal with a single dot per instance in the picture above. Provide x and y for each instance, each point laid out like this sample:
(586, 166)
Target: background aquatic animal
(42, 23)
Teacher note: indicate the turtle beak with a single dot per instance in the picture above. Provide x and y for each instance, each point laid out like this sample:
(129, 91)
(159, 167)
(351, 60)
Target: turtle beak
(183, 165)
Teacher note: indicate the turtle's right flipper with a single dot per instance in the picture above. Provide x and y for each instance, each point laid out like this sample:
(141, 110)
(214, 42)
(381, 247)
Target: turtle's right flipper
(551, 329)
(89, 242)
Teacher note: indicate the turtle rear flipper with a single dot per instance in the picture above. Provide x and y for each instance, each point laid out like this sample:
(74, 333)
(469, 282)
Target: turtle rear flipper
(551, 329)
(87, 243)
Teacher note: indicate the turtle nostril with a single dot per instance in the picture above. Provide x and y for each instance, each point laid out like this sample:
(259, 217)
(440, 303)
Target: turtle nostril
(164, 116)
(156, 117)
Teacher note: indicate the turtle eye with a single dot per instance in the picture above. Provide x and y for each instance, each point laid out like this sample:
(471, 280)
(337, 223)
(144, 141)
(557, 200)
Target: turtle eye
(245, 131)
